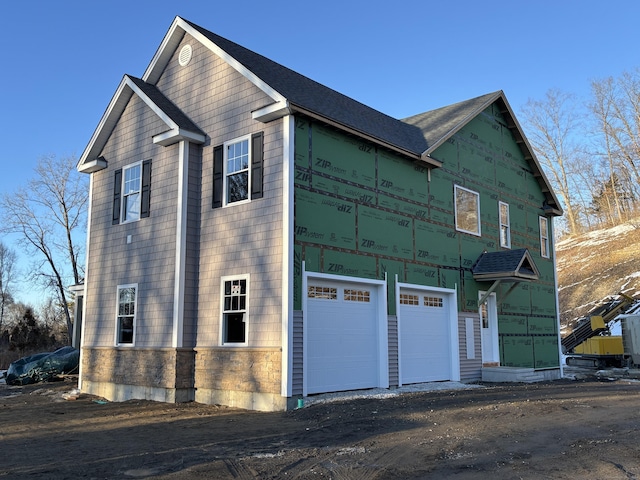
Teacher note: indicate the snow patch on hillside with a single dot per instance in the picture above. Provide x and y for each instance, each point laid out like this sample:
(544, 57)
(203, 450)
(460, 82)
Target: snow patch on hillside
(596, 265)
(594, 238)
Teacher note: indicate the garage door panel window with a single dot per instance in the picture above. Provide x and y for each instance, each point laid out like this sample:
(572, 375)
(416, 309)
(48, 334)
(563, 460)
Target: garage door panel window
(357, 295)
(433, 302)
(234, 310)
(322, 293)
(407, 299)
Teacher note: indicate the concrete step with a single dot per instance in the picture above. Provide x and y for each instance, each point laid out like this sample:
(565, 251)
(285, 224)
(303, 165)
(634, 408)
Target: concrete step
(516, 374)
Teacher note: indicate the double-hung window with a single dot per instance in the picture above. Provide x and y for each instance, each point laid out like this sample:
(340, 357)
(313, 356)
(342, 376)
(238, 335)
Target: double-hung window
(238, 170)
(544, 237)
(235, 304)
(467, 208)
(126, 314)
(505, 227)
(131, 192)
(131, 189)
(237, 173)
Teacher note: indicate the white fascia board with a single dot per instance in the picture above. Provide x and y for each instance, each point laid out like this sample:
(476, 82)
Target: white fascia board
(165, 51)
(177, 135)
(157, 110)
(173, 38)
(107, 123)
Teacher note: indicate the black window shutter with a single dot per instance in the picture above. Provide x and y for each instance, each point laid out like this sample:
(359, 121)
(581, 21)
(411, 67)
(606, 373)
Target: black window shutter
(218, 154)
(257, 160)
(145, 198)
(117, 190)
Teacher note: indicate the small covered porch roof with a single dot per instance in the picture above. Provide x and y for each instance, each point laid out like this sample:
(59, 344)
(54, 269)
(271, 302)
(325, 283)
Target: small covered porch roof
(505, 266)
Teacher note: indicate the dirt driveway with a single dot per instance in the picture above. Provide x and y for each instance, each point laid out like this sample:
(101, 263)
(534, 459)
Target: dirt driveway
(567, 429)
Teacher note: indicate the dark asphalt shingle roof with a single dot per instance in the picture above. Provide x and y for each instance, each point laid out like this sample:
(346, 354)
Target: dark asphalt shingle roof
(311, 95)
(166, 105)
(511, 263)
(438, 125)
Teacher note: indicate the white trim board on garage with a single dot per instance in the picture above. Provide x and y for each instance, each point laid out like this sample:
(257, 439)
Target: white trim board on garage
(345, 337)
(428, 348)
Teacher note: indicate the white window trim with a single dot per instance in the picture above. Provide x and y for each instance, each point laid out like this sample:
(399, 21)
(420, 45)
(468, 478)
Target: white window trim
(544, 240)
(455, 200)
(247, 323)
(225, 185)
(135, 315)
(123, 196)
(506, 244)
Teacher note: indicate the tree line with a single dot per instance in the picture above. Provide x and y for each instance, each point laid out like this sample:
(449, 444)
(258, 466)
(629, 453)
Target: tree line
(590, 150)
(47, 217)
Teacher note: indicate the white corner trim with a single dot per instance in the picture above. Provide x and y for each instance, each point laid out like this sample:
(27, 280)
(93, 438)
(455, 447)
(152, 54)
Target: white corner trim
(181, 245)
(86, 281)
(288, 130)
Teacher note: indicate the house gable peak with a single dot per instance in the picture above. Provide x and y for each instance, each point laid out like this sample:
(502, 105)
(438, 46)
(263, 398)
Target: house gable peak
(180, 127)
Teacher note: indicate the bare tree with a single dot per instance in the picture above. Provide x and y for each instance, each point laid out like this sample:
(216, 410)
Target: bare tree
(616, 108)
(52, 316)
(602, 106)
(46, 214)
(552, 126)
(7, 277)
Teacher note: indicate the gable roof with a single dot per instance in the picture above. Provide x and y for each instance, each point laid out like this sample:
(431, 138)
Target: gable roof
(515, 265)
(441, 124)
(293, 92)
(416, 137)
(178, 124)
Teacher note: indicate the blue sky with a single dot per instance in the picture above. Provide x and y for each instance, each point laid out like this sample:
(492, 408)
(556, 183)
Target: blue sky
(62, 61)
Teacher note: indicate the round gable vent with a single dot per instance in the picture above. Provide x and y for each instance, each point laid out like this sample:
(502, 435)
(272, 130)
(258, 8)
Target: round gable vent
(185, 55)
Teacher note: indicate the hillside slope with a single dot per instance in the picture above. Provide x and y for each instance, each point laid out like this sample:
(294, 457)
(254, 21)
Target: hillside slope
(595, 265)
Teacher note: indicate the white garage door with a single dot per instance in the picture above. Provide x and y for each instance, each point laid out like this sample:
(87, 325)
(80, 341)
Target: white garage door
(424, 334)
(341, 327)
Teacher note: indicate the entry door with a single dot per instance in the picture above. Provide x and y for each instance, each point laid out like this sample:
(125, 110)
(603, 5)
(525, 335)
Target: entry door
(489, 327)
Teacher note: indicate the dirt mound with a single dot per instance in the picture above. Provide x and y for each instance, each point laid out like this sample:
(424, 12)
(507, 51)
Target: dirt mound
(564, 429)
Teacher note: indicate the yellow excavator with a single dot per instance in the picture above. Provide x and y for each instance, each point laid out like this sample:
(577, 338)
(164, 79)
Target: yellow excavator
(590, 343)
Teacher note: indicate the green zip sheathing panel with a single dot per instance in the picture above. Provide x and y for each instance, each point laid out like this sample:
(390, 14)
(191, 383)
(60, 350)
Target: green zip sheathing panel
(363, 211)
